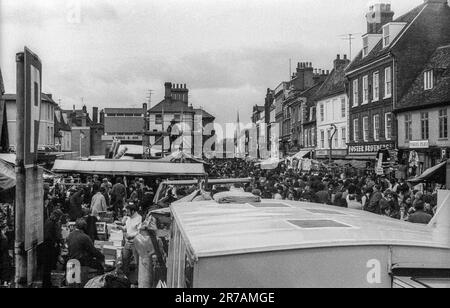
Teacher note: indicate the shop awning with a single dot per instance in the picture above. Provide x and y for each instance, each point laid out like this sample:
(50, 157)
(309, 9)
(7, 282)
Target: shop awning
(7, 175)
(434, 174)
(300, 155)
(127, 168)
(181, 156)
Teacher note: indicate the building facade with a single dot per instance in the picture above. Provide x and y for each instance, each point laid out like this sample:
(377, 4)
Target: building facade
(423, 113)
(63, 132)
(332, 113)
(174, 116)
(394, 52)
(47, 121)
(124, 124)
(87, 133)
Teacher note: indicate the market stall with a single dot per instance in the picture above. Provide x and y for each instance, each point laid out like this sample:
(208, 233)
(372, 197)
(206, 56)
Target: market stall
(128, 168)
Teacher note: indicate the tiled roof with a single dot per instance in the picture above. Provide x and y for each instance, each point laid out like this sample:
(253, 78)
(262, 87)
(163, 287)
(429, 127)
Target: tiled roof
(416, 97)
(378, 51)
(12, 97)
(169, 105)
(333, 85)
(205, 114)
(123, 110)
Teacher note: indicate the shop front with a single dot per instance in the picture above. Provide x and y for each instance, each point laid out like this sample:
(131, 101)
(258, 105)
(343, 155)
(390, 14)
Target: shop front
(335, 154)
(368, 151)
(420, 156)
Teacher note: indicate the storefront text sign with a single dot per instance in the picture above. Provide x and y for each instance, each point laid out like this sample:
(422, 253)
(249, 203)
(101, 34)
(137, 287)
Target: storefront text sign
(420, 144)
(369, 148)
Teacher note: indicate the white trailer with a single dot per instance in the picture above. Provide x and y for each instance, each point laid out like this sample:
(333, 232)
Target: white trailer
(285, 244)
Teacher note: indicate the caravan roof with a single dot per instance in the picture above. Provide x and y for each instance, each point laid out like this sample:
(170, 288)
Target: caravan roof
(212, 229)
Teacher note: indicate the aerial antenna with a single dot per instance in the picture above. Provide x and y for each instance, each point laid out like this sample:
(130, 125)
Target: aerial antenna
(349, 37)
(149, 98)
(290, 69)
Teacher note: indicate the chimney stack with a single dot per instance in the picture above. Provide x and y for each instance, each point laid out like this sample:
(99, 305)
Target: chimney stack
(168, 90)
(379, 14)
(95, 114)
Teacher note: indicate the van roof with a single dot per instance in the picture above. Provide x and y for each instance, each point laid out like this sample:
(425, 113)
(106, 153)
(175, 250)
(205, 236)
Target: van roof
(212, 229)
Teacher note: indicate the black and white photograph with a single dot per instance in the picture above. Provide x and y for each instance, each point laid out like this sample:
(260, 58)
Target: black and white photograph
(224, 149)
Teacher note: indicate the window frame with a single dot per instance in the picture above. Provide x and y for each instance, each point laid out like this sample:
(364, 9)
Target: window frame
(443, 126)
(343, 108)
(159, 119)
(376, 127)
(425, 125)
(356, 130)
(388, 82)
(428, 80)
(376, 86)
(365, 85)
(366, 129)
(408, 127)
(355, 92)
(388, 128)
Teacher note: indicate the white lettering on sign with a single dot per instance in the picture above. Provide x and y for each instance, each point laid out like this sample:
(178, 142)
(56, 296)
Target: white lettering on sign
(35, 105)
(421, 144)
(374, 274)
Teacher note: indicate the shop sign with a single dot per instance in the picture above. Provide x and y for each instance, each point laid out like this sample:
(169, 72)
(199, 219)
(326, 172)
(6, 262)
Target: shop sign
(420, 144)
(369, 148)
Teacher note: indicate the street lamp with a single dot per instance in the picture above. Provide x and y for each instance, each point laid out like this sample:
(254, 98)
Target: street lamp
(334, 128)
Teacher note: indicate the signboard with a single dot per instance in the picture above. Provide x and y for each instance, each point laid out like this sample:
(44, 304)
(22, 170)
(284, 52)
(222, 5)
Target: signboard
(420, 144)
(34, 203)
(33, 86)
(369, 148)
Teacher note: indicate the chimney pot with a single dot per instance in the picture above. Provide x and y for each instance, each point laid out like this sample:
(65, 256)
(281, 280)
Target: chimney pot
(345, 57)
(338, 57)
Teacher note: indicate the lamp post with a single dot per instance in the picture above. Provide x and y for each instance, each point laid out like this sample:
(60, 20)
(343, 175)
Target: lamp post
(334, 128)
(82, 136)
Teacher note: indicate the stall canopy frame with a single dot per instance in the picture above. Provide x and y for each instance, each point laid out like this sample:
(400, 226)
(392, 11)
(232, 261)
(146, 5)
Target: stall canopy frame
(128, 168)
(430, 174)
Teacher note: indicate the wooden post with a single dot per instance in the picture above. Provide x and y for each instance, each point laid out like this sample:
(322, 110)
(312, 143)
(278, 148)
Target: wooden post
(20, 256)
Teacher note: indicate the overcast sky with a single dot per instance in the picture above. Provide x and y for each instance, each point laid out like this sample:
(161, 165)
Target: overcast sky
(228, 52)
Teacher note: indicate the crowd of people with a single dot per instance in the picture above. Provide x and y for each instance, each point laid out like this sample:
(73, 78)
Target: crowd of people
(84, 201)
(87, 201)
(379, 194)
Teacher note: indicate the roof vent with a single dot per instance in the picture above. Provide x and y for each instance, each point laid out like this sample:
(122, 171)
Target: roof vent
(268, 204)
(318, 224)
(329, 212)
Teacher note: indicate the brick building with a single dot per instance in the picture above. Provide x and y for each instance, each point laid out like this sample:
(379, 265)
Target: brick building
(86, 132)
(175, 113)
(424, 110)
(394, 52)
(46, 126)
(332, 113)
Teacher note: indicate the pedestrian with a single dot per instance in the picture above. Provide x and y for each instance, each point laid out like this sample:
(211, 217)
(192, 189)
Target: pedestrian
(419, 216)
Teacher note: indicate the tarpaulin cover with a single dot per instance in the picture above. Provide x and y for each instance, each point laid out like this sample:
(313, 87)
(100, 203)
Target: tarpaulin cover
(127, 167)
(7, 175)
(434, 174)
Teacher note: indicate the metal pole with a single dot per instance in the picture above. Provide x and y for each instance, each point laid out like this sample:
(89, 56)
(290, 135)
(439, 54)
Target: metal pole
(331, 142)
(20, 279)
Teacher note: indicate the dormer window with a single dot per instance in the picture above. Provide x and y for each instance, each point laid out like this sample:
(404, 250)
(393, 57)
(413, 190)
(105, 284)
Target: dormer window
(386, 36)
(365, 46)
(391, 32)
(428, 80)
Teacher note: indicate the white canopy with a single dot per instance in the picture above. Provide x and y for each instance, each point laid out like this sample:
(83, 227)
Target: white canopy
(128, 167)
